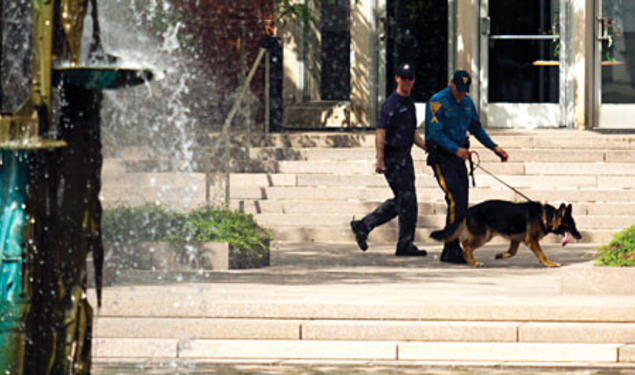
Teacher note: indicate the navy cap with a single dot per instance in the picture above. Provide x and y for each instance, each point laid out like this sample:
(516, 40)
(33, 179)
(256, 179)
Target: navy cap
(405, 69)
(462, 80)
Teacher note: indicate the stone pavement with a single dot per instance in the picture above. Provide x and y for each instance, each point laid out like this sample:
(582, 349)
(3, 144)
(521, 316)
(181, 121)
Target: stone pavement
(331, 303)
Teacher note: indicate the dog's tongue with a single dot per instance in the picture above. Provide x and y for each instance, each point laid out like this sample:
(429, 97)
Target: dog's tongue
(565, 239)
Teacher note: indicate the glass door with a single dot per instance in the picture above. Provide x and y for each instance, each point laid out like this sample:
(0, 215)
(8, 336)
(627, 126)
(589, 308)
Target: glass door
(522, 63)
(615, 63)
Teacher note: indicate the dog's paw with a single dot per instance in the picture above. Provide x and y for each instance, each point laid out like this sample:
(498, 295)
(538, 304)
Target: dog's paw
(478, 264)
(551, 264)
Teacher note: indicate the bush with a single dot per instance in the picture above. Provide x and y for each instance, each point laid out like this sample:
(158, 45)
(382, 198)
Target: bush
(235, 227)
(620, 251)
(123, 225)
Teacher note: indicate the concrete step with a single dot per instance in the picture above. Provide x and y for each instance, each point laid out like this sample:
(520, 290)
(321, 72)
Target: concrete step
(118, 337)
(269, 220)
(426, 179)
(366, 167)
(241, 184)
(367, 153)
(368, 350)
(335, 207)
(365, 330)
(388, 233)
(427, 194)
(535, 138)
(424, 208)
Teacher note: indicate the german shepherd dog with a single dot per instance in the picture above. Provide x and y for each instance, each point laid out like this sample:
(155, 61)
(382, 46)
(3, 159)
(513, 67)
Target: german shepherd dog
(518, 222)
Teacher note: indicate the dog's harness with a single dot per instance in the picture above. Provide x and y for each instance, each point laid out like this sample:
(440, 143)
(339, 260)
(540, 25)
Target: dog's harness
(478, 165)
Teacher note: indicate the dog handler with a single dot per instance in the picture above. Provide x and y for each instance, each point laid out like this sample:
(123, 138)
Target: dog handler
(450, 114)
(394, 136)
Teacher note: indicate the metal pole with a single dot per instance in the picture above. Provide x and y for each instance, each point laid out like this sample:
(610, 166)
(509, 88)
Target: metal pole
(267, 92)
(227, 168)
(230, 116)
(243, 89)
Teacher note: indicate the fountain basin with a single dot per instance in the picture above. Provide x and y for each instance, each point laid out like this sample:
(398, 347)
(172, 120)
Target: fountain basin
(99, 77)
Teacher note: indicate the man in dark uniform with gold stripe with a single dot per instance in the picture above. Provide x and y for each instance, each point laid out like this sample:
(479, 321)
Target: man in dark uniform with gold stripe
(450, 114)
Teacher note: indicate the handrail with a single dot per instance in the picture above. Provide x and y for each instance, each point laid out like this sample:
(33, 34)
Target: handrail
(230, 116)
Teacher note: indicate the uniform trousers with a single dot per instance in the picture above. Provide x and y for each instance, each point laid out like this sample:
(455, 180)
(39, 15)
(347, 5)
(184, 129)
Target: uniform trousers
(451, 175)
(399, 172)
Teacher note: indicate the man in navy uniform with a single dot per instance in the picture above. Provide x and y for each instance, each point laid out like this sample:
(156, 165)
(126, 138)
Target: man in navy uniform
(450, 114)
(394, 136)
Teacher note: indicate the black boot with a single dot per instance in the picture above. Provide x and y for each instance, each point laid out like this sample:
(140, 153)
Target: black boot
(452, 253)
(361, 233)
(411, 251)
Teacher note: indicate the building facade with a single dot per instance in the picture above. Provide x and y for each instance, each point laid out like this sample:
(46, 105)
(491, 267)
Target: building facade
(535, 63)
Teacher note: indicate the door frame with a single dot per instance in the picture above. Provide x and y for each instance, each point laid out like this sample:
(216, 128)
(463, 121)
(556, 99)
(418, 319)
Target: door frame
(604, 116)
(500, 115)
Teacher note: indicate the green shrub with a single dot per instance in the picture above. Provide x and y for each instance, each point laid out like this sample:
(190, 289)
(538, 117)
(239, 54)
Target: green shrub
(620, 251)
(123, 225)
(235, 227)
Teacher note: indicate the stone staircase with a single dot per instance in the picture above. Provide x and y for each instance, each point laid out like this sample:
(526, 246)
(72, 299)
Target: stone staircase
(308, 186)
(317, 187)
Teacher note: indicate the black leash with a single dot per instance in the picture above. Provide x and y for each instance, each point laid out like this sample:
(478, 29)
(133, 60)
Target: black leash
(478, 165)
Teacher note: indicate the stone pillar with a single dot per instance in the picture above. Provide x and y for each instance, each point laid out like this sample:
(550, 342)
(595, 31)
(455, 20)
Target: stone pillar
(581, 57)
(362, 34)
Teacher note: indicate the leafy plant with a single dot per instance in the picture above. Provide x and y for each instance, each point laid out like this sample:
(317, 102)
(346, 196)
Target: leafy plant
(235, 227)
(286, 9)
(151, 223)
(620, 251)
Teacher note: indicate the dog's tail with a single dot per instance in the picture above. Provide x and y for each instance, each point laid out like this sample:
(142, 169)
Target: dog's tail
(449, 233)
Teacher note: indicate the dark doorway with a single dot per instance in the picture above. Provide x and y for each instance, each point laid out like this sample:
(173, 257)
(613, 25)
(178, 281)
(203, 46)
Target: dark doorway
(335, 32)
(418, 34)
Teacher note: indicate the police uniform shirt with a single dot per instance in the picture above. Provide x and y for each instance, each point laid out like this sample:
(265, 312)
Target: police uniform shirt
(399, 118)
(447, 122)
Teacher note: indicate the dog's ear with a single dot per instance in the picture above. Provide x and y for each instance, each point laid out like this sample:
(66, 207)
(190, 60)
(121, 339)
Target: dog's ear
(569, 209)
(562, 210)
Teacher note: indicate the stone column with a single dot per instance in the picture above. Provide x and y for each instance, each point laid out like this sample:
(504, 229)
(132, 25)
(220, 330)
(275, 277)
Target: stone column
(362, 42)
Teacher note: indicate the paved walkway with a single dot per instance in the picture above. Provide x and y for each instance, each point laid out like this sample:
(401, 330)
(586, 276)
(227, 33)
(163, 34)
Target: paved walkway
(315, 273)
(337, 282)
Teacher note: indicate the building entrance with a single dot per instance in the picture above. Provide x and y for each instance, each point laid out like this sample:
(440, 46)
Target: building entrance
(523, 63)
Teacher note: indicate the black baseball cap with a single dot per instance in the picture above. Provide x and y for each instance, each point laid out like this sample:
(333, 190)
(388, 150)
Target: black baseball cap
(405, 70)
(462, 80)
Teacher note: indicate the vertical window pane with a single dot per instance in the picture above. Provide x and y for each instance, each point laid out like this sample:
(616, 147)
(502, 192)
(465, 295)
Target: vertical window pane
(336, 42)
(418, 34)
(618, 52)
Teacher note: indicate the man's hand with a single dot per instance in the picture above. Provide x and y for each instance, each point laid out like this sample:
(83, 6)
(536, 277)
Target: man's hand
(501, 153)
(463, 153)
(379, 165)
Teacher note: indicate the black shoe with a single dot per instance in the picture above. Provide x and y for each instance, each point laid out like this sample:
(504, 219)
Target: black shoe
(411, 251)
(360, 234)
(452, 255)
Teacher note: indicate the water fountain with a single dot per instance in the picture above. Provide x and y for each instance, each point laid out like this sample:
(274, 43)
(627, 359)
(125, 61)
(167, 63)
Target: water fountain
(49, 185)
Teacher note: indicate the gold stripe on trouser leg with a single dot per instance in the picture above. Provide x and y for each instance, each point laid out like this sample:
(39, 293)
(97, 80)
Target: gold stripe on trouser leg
(446, 191)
